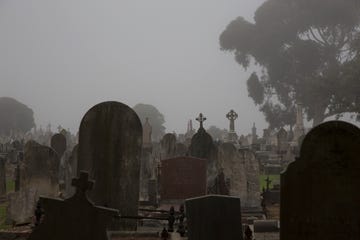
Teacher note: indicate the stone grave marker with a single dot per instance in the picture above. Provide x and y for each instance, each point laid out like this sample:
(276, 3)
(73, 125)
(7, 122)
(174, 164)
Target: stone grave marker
(182, 178)
(40, 169)
(38, 174)
(75, 218)
(214, 217)
(320, 197)
(181, 150)
(147, 131)
(168, 146)
(110, 141)
(202, 146)
(58, 143)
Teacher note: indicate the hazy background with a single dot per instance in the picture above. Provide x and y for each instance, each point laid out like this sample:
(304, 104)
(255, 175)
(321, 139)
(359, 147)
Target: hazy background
(62, 57)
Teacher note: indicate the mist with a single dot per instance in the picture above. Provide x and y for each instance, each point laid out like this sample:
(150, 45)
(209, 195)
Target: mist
(62, 57)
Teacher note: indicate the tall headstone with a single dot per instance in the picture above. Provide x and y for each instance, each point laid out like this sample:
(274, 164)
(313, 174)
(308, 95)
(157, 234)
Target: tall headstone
(147, 131)
(202, 146)
(110, 140)
(214, 217)
(241, 171)
(320, 197)
(232, 116)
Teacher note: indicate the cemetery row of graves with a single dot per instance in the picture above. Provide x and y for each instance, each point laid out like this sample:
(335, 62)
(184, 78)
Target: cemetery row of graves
(115, 182)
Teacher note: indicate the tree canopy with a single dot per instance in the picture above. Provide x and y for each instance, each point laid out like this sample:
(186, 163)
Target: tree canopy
(308, 51)
(156, 119)
(15, 116)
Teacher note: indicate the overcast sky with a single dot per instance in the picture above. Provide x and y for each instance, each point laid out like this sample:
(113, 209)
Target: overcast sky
(62, 57)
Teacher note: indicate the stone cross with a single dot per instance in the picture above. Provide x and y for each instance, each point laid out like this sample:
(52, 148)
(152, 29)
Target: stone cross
(201, 119)
(232, 116)
(82, 184)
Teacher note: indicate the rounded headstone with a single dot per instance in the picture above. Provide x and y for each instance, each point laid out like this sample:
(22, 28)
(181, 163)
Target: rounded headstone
(58, 143)
(319, 191)
(168, 145)
(110, 140)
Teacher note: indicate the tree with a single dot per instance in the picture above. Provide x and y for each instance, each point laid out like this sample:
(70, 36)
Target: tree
(15, 116)
(309, 53)
(156, 119)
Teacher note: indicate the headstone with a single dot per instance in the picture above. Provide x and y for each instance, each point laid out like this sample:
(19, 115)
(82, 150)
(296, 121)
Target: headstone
(75, 218)
(214, 217)
(70, 171)
(181, 150)
(320, 197)
(182, 178)
(38, 174)
(110, 140)
(147, 131)
(232, 116)
(2, 177)
(202, 146)
(40, 169)
(58, 143)
(168, 146)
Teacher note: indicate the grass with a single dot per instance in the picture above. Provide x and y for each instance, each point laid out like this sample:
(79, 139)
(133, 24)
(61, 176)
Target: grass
(10, 187)
(273, 178)
(3, 217)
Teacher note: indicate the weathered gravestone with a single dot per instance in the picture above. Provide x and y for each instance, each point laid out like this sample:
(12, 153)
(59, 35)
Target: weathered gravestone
(168, 146)
(2, 177)
(40, 169)
(320, 197)
(202, 146)
(182, 178)
(58, 143)
(241, 172)
(75, 218)
(38, 173)
(214, 217)
(181, 150)
(110, 140)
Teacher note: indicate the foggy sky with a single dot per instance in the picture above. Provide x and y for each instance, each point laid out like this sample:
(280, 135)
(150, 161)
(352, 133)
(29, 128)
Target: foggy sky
(62, 57)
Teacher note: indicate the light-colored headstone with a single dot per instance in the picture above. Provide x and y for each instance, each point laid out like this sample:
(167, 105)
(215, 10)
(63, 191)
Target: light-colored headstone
(110, 141)
(38, 174)
(320, 197)
(241, 171)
